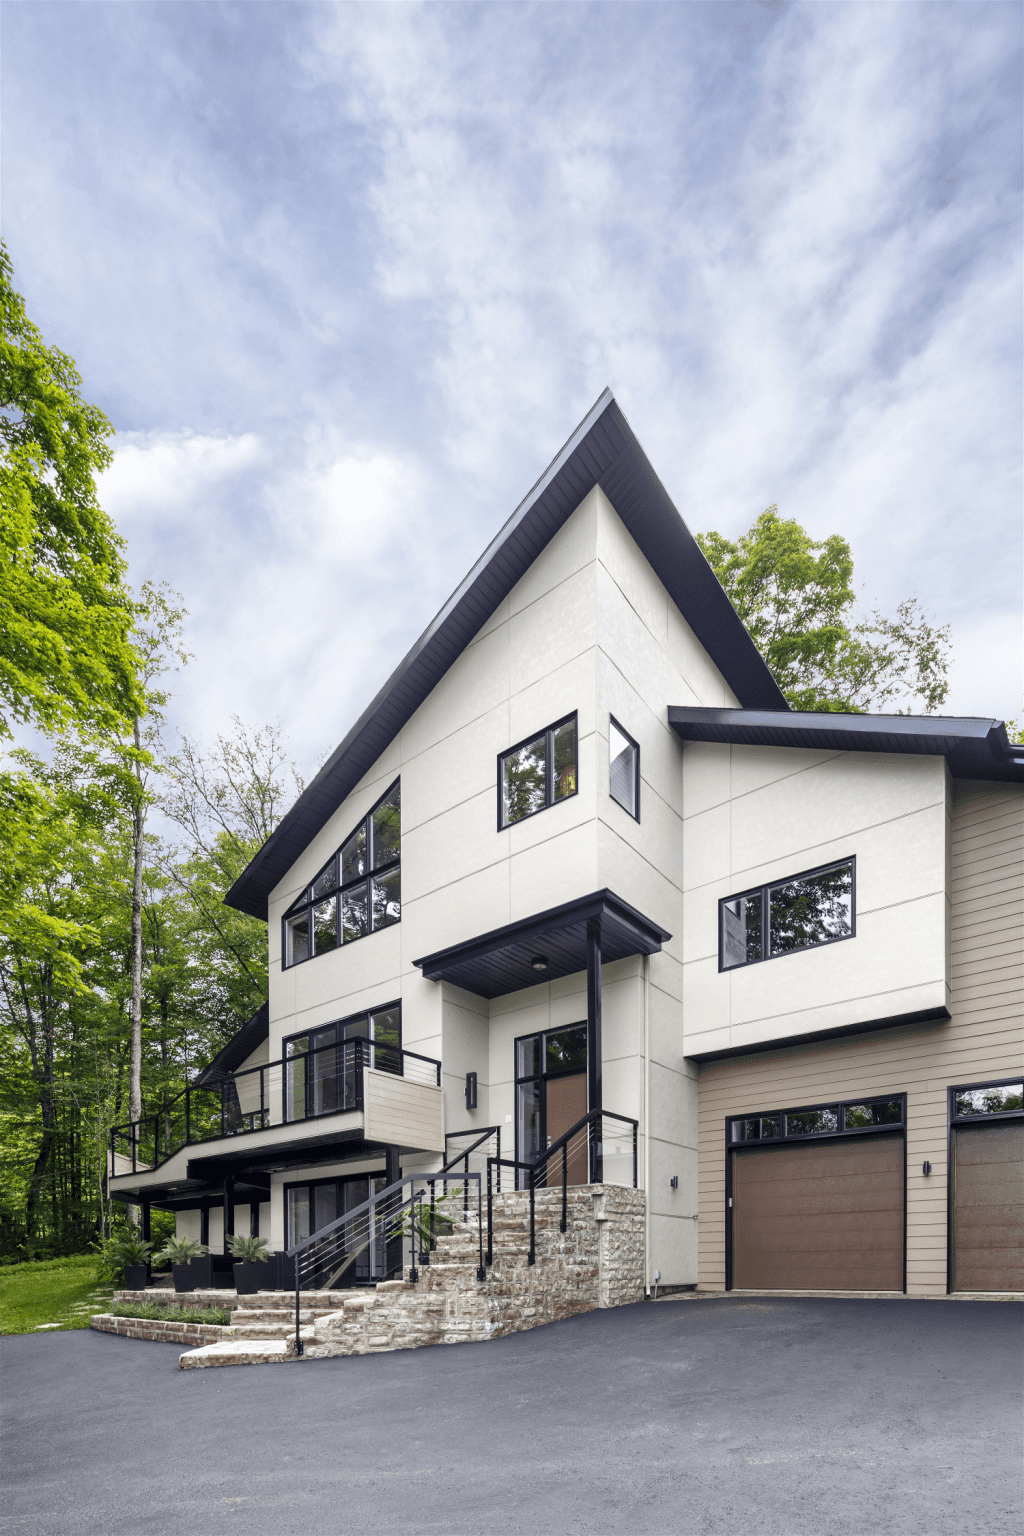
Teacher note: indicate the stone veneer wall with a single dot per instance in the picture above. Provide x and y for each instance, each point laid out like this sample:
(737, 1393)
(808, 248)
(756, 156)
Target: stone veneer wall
(597, 1262)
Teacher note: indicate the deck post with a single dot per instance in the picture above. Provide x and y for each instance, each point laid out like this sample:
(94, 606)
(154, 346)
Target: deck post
(229, 1209)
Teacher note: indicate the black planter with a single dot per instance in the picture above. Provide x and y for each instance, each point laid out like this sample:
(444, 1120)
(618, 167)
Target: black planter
(199, 1272)
(135, 1277)
(184, 1276)
(252, 1275)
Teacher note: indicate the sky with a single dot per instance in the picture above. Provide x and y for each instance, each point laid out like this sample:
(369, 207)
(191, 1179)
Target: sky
(345, 277)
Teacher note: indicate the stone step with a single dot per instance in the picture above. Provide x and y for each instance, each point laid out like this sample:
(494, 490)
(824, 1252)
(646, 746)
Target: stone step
(268, 1330)
(238, 1352)
(243, 1317)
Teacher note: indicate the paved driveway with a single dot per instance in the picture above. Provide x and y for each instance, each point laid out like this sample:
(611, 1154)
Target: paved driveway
(740, 1417)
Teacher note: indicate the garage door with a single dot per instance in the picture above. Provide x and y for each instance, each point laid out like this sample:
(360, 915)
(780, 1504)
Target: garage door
(988, 1208)
(825, 1217)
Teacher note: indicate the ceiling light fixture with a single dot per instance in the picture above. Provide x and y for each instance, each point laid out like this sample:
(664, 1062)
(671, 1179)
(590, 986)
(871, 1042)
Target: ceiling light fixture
(539, 962)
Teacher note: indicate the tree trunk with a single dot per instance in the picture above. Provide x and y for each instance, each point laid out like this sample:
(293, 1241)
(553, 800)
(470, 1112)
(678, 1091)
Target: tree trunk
(42, 1070)
(138, 850)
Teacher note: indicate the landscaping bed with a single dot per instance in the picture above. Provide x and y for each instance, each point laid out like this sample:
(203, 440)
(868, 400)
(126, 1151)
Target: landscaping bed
(166, 1330)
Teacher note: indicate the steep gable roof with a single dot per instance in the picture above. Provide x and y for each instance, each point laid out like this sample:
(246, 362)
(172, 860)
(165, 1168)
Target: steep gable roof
(602, 451)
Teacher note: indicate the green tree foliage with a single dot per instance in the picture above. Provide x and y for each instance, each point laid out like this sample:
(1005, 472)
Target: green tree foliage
(66, 652)
(796, 598)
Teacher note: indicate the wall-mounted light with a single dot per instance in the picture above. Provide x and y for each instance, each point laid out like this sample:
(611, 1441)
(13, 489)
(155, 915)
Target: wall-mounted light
(471, 1090)
(926, 1169)
(539, 962)
(674, 1181)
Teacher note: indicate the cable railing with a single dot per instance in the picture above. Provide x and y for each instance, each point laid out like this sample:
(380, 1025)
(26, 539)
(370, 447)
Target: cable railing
(599, 1149)
(304, 1086)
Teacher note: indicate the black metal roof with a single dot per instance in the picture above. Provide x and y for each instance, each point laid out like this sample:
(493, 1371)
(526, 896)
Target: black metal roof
(502, 961)
(974, 749)
(230, 1057)
(602, 451)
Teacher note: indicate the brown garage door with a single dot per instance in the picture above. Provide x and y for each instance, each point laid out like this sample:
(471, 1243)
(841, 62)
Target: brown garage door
(819, 1217)
(988, 1208)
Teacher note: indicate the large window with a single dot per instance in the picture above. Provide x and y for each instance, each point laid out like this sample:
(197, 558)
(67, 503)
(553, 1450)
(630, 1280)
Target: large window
(623, 769)
(788, 915)
(357, 892)
(864, 1114)
(320, 1073)
(538, 772)
(311, 1206)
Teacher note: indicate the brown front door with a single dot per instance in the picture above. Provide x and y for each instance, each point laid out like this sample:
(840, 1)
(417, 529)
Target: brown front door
(988, 1208)
(567, 1103)
(825, 1217)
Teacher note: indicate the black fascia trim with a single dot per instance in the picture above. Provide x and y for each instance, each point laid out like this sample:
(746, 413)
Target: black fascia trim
(974, 748)
(636, 771)
(602, 451)
(813, 1037)
(650, 936)
(765, 890)
(241, 1045)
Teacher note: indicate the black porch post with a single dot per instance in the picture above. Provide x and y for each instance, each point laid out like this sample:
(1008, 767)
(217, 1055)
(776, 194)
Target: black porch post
(254, 1218)
(229, 1209)
(594, 1042)
(204, 1225)
(391, 1168)
(145, 1219)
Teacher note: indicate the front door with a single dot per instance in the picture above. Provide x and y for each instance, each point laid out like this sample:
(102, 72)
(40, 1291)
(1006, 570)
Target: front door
(551, 1097)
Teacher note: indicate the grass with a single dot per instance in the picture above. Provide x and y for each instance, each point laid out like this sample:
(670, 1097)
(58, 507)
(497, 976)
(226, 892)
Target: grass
(158, 1312)
(51, 1293)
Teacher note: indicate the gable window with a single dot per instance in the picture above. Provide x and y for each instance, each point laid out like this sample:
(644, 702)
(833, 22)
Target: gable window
(788, 915)
(538, 772)
(357, 892)
(623, 769)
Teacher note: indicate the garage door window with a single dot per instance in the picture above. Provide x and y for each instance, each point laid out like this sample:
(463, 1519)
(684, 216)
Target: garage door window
(988, 1099)
(818, 1120)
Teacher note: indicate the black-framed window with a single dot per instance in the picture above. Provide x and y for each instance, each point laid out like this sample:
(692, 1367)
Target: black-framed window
(785, 916)
(314, 1203)
(864, 1114)
(358, 891)
(550, 1053)
(623, 768)
(320, 1074)
(987, 1101)
(537, 772)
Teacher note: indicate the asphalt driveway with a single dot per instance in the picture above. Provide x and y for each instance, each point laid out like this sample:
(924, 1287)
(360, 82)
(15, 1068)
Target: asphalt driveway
(741, 1417)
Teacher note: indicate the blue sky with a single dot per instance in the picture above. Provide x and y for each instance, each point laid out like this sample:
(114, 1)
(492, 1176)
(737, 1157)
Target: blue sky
(345, 278)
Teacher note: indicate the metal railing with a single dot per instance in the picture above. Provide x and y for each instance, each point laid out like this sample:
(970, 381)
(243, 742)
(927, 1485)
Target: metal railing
(586, 1147)
(325, 1081)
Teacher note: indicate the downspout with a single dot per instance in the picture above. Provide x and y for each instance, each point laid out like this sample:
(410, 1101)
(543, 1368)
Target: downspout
(647, 1125)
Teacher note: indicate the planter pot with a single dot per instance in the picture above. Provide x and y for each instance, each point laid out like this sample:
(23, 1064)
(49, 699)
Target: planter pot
(135, 1277)
(184, 1276)
(199, 1272)
(254, 1275)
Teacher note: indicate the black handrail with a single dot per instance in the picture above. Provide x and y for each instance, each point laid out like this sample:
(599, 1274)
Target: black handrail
(590, 1120)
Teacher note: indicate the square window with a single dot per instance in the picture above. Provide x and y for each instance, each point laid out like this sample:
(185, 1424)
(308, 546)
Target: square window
(624, 770)
(811, 910)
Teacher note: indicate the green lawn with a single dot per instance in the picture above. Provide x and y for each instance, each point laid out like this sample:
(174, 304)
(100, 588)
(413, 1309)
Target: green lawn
(55, 1291)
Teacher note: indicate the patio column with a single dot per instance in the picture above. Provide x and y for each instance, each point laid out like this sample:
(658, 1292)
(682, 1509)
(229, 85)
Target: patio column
(254, 1218)
(594, 1042)
(144, 1202)
(229, 1210)
(391, 1162)
(204, 1225)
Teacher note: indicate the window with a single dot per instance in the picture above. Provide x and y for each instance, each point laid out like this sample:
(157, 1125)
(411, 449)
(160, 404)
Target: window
(357, 892)
(538, 772)
(987, 1099)
(786, 916)
(320, 1074)
(312, 1206)
(820, 1120)
(623, 769)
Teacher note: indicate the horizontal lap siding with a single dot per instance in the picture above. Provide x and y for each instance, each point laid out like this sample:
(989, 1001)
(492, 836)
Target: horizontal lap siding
(404, 1113)
(983, 1039)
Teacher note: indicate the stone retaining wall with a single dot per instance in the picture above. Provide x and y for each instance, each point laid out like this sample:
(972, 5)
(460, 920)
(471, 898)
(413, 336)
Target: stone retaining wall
(165, 1332)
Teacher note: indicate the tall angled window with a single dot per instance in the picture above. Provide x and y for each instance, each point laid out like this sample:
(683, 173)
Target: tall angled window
(357, 892)
(538, 772)
(623, 769)
(786, 916)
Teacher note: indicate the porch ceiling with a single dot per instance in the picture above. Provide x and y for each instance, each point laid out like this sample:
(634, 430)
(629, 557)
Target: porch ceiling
(499, 962)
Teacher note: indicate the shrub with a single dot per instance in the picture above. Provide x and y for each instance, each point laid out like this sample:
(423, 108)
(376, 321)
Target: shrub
(155, 1311)
(179, 1250)
(248, 1250)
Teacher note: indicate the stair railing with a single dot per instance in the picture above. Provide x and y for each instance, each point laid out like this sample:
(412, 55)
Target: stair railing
(587, 1132)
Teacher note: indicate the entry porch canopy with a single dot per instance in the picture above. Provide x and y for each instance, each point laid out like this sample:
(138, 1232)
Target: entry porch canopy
(579, 935)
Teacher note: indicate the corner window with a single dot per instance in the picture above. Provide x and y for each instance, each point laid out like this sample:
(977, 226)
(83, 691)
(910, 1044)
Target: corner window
(821, 1120)
(538, 772)
(789, 915)
(623, 769)
(357, 892)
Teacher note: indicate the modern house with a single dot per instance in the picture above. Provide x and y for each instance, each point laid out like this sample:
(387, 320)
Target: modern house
(579, 854)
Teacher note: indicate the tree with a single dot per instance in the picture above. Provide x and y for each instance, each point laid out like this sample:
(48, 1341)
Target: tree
(66, 652)
(795, 596)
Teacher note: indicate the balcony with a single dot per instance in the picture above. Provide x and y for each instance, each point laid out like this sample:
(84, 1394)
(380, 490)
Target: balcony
(356, 1090)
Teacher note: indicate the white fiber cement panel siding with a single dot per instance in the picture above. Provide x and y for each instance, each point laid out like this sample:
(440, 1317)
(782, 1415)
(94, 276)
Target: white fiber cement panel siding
(984, 1039)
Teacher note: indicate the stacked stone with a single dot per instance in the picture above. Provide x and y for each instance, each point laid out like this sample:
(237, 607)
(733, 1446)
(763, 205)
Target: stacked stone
(164, 1331)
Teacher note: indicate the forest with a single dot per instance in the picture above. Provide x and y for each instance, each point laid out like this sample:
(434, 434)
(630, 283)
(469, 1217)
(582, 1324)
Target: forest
(122, 972)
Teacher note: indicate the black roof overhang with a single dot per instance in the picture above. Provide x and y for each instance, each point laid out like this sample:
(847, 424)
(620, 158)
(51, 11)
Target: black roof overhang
(974, 749)
(238, 1049)
(499, 962)
(602, 451)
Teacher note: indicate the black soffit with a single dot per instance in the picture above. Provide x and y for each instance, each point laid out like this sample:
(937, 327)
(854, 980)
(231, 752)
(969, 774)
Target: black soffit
(502, 961)
(238, 1049)
(602, 451)
(974, 749)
